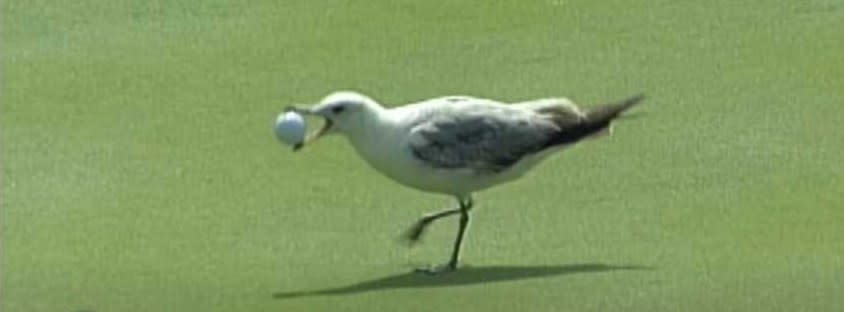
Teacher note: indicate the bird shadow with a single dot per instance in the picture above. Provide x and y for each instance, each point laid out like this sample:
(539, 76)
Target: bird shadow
(463, 276)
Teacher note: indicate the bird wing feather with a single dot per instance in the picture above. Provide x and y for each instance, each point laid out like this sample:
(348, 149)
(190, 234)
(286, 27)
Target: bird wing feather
(480, 137)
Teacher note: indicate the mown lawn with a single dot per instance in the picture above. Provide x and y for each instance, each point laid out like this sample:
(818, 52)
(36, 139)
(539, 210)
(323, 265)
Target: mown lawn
(140, 172)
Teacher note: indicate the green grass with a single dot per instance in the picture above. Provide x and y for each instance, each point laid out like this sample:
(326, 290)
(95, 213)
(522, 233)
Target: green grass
(140, 173)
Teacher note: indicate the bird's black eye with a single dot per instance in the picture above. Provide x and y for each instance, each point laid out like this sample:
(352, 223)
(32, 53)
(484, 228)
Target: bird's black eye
(338, 109)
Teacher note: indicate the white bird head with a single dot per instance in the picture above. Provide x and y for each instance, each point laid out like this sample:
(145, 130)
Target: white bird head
(345, 112)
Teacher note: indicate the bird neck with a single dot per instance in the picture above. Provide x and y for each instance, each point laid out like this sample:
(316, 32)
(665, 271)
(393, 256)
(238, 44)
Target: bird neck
(374, 140)
(369, 124)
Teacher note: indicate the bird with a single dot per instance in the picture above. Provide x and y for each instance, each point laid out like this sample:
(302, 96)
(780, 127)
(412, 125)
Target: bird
(457, 145)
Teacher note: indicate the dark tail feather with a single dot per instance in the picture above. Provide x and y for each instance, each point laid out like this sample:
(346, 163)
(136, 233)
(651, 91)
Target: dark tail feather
(604, 114)
(597, 119)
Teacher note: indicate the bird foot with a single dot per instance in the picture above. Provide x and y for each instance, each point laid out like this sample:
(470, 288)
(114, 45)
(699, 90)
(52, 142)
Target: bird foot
(414, 233)
(437, 270)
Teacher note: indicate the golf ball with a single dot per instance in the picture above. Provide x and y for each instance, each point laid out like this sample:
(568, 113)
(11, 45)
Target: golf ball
(290, 128)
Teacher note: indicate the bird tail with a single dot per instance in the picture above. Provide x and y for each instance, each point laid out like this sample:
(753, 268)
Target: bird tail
(604, 114)
(596, 120)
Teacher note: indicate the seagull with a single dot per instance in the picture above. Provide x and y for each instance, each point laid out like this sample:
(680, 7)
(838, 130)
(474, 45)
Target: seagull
(457, 145)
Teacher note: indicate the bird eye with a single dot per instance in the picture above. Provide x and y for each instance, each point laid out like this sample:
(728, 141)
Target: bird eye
(338, 109)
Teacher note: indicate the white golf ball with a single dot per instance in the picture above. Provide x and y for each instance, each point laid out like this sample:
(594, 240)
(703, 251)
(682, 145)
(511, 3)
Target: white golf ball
(290, 128)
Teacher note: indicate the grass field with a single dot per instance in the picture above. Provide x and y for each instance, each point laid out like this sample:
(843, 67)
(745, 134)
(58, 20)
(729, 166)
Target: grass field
(140, 172)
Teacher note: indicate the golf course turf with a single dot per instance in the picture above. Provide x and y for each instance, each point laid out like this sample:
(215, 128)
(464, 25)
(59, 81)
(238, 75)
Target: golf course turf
(140, 171)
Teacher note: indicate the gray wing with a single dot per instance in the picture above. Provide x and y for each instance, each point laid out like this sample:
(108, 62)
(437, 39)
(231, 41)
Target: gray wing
(482, 138)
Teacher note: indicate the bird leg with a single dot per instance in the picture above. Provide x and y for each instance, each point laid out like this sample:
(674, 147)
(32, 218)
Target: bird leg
(465, 205)
(464, 223)
(415, 232)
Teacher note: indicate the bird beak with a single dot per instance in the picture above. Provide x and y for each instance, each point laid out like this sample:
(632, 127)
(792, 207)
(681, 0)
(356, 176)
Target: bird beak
(326, 126)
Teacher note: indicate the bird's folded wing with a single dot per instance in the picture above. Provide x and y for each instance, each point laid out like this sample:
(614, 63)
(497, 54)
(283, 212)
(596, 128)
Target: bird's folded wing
(481, 138)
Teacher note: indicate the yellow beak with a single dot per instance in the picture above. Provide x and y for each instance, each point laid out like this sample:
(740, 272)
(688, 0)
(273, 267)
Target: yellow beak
(326, 126)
